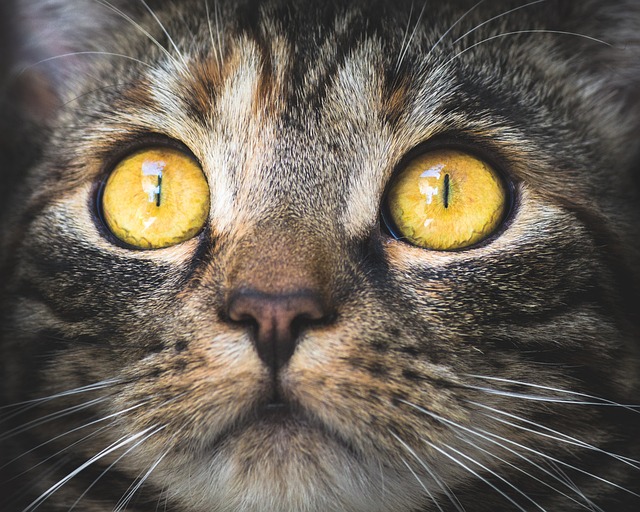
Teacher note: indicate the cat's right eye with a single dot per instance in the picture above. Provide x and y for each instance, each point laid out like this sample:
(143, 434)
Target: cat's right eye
(446, 200)
(155, 198)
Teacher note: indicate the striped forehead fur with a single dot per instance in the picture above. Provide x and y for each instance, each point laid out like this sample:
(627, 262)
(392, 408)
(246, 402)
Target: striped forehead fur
(417, 379)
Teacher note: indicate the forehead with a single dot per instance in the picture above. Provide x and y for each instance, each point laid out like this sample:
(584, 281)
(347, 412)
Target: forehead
(311, 107)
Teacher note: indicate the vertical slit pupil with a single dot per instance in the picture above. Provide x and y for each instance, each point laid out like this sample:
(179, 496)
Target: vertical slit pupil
(446, 190)
(159, 190)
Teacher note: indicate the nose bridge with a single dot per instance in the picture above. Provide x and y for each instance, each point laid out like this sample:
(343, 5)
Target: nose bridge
(278, 285)
(280, 257)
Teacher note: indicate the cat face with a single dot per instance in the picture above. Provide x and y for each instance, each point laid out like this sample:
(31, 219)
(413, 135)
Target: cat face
(219, 293)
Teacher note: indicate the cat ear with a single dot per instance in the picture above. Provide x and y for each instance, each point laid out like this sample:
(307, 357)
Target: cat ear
(51, 45)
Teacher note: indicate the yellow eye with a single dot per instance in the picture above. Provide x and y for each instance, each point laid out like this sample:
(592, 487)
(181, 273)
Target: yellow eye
(446, 200)
(156, 198)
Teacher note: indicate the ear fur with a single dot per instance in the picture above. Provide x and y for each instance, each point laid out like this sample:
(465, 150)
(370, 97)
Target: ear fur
(47, 36)
(38, 70)
(614, 64)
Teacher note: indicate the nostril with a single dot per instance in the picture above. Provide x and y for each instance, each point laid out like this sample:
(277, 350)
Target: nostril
(276, 319)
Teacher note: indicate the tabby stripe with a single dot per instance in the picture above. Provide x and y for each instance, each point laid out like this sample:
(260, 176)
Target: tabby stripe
(626, 282)
(345, 43)
(570, 304)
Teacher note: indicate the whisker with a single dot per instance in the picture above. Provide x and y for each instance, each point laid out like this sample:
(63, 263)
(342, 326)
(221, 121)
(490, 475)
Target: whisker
(588, 506)
(426, 490)
(166, 33)
(126, 17)
(217, 48)
(454, 500)
(73, 54)
(122, 504)
(517, 32)
(491, 438)
(558, 461)
(506, 13)
(51, 417)
(495, 474)
(213, 45)
(539, 398)
(562, 477)
(123, 441)
(404, 47)
(404, 36)
(555, 435)
(599, 400)
(103, 473)
(23, 491)
(55, 455)
(134, 487)
(83, 389)
(476, 474)
(76, 429)
(454, 25)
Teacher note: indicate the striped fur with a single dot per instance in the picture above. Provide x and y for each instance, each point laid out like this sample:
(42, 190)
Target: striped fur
(502, 377)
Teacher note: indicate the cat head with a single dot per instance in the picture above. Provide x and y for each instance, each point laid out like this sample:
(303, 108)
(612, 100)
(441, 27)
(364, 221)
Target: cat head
(300, 342)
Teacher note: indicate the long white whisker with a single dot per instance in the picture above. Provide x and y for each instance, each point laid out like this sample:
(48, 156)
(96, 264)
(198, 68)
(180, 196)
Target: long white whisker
(600, 400)
(76, 429)
(495, 18)
(404, 37)
(558, 461)
(540, 398)
(123, 441)
(51, 417)
(93, 434)
(405, 46)
(125, 16)
(120, 457)
(454, 500)
(83, 389)
(166, 33)
(502, 479)
(217, 47)
(516, 32)
(555, 435)
(122, 505)
(589, 505)
(474, 473)
(433, 499)
(73, 54)
(491, 438)
(213, 45)
(30, 484)
(562, 477)
(446, 33)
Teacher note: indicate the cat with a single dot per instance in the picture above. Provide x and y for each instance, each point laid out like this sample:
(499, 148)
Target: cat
(285, 255)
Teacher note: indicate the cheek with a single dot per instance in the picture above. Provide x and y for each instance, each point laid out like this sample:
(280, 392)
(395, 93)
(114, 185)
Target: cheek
(539, 265)
(202, 381)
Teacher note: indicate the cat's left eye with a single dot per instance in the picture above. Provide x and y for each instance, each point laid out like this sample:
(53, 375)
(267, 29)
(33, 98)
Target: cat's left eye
(446, 200)
(155, 198)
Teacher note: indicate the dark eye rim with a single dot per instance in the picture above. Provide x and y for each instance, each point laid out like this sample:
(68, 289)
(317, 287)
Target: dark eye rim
(476, 148)
(111, 159)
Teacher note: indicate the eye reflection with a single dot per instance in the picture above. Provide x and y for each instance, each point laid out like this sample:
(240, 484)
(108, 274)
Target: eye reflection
(156, 198)
(446, 200)
(153, 168)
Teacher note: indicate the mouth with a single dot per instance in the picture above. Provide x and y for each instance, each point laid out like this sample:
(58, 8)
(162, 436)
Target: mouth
(275, 411)
(275, 422)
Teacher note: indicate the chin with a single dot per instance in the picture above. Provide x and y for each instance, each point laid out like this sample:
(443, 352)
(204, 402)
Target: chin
(285, 465)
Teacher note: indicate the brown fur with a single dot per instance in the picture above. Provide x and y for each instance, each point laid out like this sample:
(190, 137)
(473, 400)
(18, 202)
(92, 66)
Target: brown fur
(487, 379)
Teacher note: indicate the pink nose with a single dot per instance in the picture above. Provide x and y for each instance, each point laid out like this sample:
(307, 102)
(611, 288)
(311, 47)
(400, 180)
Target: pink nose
(277, 320)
